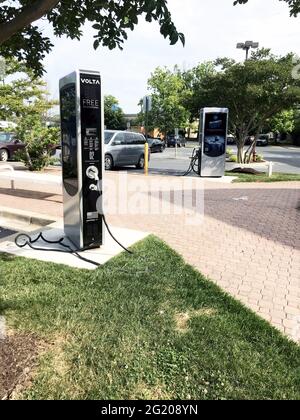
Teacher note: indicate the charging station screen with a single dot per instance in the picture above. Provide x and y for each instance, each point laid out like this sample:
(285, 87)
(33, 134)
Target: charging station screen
(215, 134)
(69, 138)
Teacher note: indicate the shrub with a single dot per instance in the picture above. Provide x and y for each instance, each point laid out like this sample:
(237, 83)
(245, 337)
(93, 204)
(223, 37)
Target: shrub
(233, 158)
(259, 158)
(39, 144)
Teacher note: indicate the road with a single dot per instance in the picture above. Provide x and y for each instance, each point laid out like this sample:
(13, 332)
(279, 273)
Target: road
(286, 160)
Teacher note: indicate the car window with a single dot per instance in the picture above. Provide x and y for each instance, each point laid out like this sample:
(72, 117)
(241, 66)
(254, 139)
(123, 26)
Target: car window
(108, 136)
(5, 137)
(140, 139)
(120, 137)
(129, 138)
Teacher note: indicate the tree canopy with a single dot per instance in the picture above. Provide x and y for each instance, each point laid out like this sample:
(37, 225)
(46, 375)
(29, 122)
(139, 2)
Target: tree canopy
(294, 5)
(24, 100)
(113, 114)
(21, 92)
(254, 92)
(111, 20)
(167, 90)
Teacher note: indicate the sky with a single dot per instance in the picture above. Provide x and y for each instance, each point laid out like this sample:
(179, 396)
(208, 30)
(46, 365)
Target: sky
(212, 29)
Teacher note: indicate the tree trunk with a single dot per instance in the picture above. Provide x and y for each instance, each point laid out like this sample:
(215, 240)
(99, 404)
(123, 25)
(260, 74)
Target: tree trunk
(189, 133)
(240, 157)
(28, 159)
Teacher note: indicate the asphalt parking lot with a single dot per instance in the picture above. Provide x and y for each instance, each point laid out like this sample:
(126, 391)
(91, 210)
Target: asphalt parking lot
(286, 159)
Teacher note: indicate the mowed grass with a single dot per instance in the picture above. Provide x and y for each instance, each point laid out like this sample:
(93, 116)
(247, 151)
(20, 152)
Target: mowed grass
(277, 177)
(146, 326)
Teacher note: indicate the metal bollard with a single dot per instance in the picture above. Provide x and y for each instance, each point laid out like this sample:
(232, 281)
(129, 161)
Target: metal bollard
(270, 172)
(146, 158)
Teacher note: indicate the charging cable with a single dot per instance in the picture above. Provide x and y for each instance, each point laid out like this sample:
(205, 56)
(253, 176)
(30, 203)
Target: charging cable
(195, 162)
(22, 240)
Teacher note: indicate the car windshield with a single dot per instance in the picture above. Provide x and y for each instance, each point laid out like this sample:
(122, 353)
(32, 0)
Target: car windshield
(5, 137)
(108, 135)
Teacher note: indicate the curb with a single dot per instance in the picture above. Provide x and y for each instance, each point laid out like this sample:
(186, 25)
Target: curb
(30, 218)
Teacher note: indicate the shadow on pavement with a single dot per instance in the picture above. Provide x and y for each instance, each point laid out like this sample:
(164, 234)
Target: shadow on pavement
(36, 195)
(270, 213)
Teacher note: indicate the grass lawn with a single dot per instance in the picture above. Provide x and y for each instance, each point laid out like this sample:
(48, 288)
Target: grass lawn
(277, 177)
(143, 328)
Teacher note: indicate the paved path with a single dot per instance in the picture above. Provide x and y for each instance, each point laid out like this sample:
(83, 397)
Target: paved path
(249, 242)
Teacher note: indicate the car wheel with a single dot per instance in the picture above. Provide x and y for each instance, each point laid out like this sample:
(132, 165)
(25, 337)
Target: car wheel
(4, 155)
(141, 164)
(161, 149)
(109, 163)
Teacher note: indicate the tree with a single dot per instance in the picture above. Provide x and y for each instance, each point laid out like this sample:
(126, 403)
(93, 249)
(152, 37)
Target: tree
(282, 123)
(296, 130)
(254, 92)
(192, 80)
(40, 141)
(24, 100)
(18, 90)
(113, 114)
(111, 19)
(167, 90)
(294, 5)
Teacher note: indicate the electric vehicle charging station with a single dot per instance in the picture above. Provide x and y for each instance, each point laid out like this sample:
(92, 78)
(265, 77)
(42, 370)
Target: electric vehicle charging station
(82, 128)
(213, 141)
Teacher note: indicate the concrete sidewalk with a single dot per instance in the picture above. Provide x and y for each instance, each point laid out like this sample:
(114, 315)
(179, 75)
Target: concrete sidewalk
(248, 244)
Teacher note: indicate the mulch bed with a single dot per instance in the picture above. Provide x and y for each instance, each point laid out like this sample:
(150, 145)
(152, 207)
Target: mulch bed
(250, 171)
(17, 358)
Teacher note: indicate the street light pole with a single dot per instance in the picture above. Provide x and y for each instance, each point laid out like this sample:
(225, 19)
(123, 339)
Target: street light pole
(246, 46)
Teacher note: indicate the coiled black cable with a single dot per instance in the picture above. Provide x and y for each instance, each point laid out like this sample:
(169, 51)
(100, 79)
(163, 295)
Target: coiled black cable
(22, 240)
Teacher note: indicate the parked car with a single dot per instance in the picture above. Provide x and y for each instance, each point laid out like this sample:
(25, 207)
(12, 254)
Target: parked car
(171, 141)
(123, 148)
(263, 140)
(9, 145)
(249, 140)
(156, 145)
(231, 139)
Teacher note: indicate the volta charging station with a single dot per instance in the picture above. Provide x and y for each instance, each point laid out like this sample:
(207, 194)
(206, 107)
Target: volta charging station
(82, 145)
(82, 152)
(213, 131)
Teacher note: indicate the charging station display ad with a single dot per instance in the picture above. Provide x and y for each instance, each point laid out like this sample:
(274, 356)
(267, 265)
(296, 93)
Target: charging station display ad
(213, 141)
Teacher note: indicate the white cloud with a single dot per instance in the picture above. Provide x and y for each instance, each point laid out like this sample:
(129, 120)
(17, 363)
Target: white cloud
(212, 29)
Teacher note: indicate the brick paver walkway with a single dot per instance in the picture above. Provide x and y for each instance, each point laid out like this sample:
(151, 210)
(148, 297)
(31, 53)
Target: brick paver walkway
(249, 242)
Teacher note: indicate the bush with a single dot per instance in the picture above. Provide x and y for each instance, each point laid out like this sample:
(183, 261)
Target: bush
(259, 158)
(39, 144)
(233, 158)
